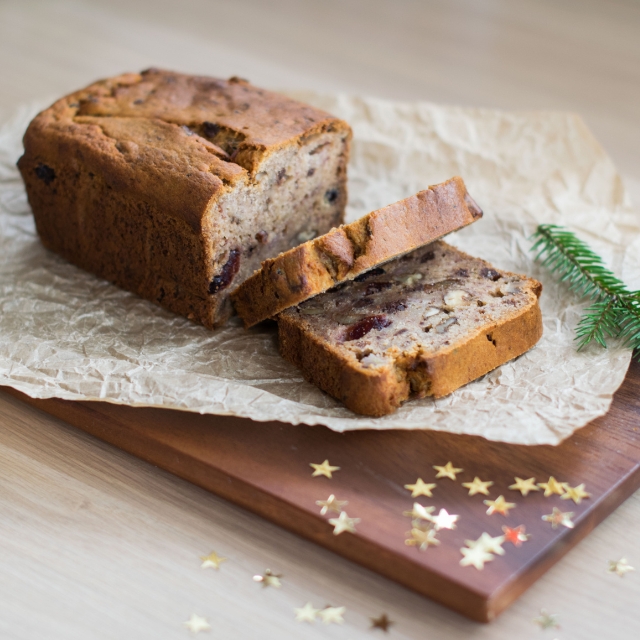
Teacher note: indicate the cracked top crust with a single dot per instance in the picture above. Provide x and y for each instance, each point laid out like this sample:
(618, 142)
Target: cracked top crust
(350, 250)
(174, 139)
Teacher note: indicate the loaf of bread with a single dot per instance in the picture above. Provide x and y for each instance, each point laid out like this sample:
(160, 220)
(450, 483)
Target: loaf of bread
(421, 325)
(177, 187)
(351, 250)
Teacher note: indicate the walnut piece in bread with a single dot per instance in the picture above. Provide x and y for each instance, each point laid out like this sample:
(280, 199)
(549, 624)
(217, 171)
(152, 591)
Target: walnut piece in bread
(351, 250)
(177, 187)
(421, 325)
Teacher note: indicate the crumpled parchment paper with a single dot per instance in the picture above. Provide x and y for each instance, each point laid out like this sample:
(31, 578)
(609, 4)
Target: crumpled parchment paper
(67, 334)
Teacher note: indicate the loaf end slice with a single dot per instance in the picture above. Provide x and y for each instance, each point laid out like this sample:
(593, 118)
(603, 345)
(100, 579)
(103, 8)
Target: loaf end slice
(353, 249)
(176, 187)
(422, 325)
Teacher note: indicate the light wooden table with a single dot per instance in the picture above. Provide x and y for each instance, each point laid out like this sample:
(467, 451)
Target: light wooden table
(96, 544)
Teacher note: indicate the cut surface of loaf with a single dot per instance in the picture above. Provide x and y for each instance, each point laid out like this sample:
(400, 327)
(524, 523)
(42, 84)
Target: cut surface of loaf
(352, 249)
(177, 187)
(421, 325)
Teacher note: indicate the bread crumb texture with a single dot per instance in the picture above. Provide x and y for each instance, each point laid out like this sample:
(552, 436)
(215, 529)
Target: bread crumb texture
(177, 187)
(421, 325)
(351, 250)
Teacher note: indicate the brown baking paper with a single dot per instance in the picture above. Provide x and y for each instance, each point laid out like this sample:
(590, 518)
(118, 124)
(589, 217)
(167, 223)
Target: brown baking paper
(67, 334)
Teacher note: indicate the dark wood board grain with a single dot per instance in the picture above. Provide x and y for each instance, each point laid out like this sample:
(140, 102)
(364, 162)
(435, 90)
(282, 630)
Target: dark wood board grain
(264, 467)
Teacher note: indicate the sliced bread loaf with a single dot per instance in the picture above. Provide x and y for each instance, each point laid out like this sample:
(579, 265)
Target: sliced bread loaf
(177, 187)
(421, 325)
(351, 250)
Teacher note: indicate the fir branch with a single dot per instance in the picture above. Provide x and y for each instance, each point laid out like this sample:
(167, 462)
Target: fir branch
(615, 311)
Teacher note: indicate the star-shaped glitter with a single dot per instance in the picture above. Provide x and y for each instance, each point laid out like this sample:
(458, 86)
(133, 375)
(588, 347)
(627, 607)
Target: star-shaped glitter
(419, 512)
(422, 538)
(620, 567)
(343, 523)
(269, 579)
(516, 535)
(499, 505)
(331, 504)
(525, 487)
(475, 555)
(478, 486)
(196, 624)
(332, 614)
(213, 560)
(552, 486)
(324, 469)
(491, 545)
(558, 518)
(420, 488)
(448, 471)
(547, 620)
(444, 520)
(382, 622)
(575, 493)
(308, 613)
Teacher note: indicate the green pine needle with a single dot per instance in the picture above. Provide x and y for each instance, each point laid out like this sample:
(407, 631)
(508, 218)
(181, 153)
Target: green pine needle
(615, 311)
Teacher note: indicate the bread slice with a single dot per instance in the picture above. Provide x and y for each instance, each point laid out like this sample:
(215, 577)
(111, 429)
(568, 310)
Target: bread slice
(177, 187)
(422, 325)
(350, 250)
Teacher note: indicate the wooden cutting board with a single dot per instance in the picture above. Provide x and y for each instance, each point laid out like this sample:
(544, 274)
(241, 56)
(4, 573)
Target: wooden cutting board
(264, 467)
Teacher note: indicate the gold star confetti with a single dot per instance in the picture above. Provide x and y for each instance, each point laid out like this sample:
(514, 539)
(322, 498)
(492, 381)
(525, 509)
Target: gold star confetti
(558, 518)
(491, 545)
(343, 523)
(575, 493)
(448, 471)
(332, 614)
(475, 555)
(213, 560)
(269, 579)
(525, 487)
(499, 505)
(444, 520)
(478, 486)
(552, 486)
(307, 613)
(420, 488)
(331, 504)
(620, 567)
(324, 469)
(422, 538)
(516, 535)
(196, 624)
(382, 622)
(419, 512)
(547, 620)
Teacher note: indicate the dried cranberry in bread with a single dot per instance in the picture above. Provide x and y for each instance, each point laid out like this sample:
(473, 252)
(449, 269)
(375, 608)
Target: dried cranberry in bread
(351, 250)
(177, 187)
(421, 325)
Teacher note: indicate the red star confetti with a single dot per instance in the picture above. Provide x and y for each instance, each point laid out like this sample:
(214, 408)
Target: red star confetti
(516, 536)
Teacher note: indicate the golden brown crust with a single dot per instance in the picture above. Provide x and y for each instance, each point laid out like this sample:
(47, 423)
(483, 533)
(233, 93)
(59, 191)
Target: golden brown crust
(346, 252)
(380, 391)
(125, 178)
